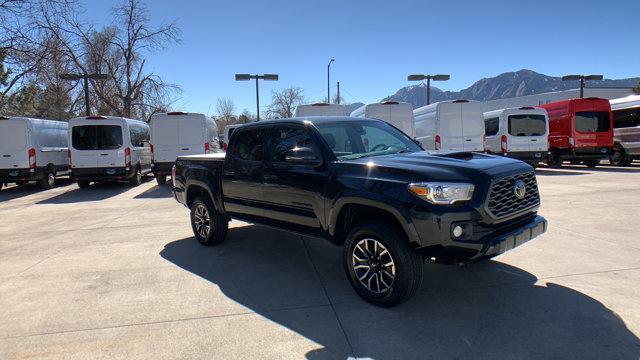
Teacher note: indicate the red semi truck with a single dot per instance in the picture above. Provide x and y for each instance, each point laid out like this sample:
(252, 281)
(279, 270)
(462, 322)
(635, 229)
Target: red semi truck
(580, 131)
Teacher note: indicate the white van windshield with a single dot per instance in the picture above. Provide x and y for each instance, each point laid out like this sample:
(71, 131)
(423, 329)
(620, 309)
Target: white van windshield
(527, 125)
(96, 137)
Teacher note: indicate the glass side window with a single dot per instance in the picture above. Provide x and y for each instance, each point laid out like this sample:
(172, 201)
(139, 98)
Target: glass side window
(626, 118)
(592, 121)
(96, 137)
(491, 126)
(139, 135)
(358, 139)
(249, 144)
(527, 125)
(288, 138)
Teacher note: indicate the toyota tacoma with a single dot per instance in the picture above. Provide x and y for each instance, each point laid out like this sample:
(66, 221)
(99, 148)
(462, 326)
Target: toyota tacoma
(364, 185)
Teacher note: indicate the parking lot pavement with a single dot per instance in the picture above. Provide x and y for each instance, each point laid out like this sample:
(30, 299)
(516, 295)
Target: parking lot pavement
(114, 271)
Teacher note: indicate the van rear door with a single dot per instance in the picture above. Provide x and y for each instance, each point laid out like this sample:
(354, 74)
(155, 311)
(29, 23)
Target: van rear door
(451, 136)
(472, 126)
(518, 132)
(165, 139)
(97, 145)
(191, 135)
(14, 140)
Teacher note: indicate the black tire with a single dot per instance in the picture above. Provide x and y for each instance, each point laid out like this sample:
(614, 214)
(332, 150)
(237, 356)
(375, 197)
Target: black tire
(136, 180)
(83, 184)
(217, 224)
(21, 183)
(161, 179)
(407, 264)
(620, 158)
(49, 181)
(591, 163)
(554, 161)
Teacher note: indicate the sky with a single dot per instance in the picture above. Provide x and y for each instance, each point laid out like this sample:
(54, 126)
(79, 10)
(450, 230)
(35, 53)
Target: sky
(376, 44)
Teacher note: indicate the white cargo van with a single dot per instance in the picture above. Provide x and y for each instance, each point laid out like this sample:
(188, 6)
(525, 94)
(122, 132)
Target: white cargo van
(521, 133)
(108, 148)
(32, 150)
(321, 109)
(228, 131)
(626, 130)
(398, 114)
(175, 134)
(446, 126)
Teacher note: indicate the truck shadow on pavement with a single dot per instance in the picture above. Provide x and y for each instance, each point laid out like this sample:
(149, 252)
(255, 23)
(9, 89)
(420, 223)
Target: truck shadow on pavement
(487, 310)
(14, 192)
(156, 192)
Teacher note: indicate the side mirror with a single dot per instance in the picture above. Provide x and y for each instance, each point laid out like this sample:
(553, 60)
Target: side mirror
(303, 156)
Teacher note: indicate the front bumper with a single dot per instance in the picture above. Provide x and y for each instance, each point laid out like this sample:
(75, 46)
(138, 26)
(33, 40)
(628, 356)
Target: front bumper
(513, 239)
(102, 174)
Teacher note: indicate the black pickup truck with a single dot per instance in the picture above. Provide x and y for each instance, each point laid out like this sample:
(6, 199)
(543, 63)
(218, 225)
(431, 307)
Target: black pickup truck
(364, 185)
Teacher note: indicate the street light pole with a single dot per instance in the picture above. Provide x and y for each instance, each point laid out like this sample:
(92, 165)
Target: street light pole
(421, 77)
(582, 79)
(329, 82)
(85, 78)
(267, 77)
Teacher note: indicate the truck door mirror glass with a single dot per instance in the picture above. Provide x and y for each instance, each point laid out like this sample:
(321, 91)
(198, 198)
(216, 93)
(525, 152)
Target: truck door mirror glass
(303, 156)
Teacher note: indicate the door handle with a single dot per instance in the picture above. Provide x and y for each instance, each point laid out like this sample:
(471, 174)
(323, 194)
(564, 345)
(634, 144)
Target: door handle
(467, 139)
(230, 173)
(185, 148)
(270, 177)
(104, 154)
(533, 140)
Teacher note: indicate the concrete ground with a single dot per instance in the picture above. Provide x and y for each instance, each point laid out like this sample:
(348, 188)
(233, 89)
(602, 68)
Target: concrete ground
(113, 272)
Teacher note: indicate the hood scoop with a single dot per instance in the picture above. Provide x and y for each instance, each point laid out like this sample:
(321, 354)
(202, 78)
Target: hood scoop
(462, 155)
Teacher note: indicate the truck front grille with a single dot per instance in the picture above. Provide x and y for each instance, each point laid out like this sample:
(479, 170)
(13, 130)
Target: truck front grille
(502, 196)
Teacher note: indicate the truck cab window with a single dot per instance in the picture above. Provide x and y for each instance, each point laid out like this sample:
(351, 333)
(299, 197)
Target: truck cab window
(249, 145)
(287, 138)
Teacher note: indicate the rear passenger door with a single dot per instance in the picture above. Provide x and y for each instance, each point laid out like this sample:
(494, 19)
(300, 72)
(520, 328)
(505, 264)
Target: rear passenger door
(242, 174)
(293, 182)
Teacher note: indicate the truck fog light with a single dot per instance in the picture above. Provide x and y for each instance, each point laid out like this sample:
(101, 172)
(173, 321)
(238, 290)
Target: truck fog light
(457, 231)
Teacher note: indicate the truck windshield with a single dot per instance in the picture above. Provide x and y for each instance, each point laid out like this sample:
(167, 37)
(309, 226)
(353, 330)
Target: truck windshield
(592, 121)
(96, 137)
(527, 125)
(357, 139)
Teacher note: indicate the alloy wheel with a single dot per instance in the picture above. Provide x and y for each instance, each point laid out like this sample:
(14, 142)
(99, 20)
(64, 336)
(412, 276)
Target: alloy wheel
(202, 220)
(373, 265)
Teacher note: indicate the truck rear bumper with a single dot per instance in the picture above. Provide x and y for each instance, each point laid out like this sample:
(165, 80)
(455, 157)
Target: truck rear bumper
(102, 174)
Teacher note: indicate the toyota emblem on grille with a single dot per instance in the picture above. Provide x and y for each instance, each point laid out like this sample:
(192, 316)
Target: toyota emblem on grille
(519, 189)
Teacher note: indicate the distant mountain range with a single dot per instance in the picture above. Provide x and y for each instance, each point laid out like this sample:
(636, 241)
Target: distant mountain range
(506, 85)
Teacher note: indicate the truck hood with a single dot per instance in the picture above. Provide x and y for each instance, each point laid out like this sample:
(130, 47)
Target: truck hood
(424, 166)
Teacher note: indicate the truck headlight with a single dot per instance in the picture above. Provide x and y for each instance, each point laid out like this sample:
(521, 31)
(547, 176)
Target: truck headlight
(442, 193)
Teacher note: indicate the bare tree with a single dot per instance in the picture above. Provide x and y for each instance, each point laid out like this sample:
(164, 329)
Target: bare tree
(284, 102)
(225, 108)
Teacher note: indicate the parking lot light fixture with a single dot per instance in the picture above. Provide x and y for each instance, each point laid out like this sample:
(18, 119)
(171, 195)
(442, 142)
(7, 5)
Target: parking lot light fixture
(86, 78)
(422, 77)
(266, 77)
(582, 79)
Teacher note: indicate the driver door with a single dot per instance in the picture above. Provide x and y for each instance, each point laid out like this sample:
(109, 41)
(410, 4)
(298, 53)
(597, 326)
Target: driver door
(293, 184)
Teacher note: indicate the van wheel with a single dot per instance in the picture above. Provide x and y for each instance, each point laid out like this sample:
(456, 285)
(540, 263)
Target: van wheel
(381, 266)
(48, 182)
(161, 179)
(554, 161)
(209, 227)
(137, 178)
(591, 163)
(83, 184)
(620, 158)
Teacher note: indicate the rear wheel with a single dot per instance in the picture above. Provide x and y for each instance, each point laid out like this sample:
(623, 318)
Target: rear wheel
(591, 163)
(137, 178)
(209, 227)
(49, 181)
(83, 184)
(161, 179)
(381, 266)
(554, 161)
(620, 158)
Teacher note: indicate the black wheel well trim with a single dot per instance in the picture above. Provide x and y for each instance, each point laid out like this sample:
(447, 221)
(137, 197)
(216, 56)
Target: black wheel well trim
(403, 219)
(197, 183)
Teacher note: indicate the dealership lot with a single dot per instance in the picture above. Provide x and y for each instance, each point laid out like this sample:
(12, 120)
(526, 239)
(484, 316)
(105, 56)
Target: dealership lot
(113, 271)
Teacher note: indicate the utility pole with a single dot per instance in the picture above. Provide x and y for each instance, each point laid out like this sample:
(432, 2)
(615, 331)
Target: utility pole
(329, 82)
(338, 92)
(582, 78)
(420, 77)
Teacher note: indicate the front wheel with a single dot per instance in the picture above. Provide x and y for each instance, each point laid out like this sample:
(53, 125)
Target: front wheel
(209, 227)
(620, 158)
(83, 184)
(381, 266)
(554, 161)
